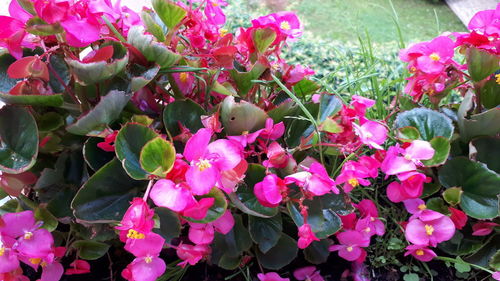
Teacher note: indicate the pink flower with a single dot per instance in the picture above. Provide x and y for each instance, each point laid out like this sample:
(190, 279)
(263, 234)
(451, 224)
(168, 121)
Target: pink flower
(458, 217)
(214, 13)
(245, 138)
(306, 236)
(496, 275)
(411, 186)
(147, 265)
(360, 104)
(52, 272)
(315, 180)
(371, 133)
(271, 276)
(176, 197)
(369, 224)
(199, 209)
(430, 232)
(400, 160)
(278, 157)
(418, 209)
(297, 73)
(269, 191)
(208, 160)
(286, 24)
(191, 254)
(200, 233)
(486, 22)
(351, 176)
(51, 11)
(308, 273)
(185, 82)
(12, 35)
(272, 131)
(81, 32)
(351, 242)
(422, 253)
(109, 142)
(8, 259)
(483, 228)
(78, 267)
(430, 57)
(137, 221)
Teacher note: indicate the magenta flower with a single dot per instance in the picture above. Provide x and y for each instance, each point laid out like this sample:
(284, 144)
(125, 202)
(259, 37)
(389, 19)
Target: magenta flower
(308, 273)
(278, 157)
(352, 176)
(496, 275)
(421, 253)
(272, 131)
(185, 82)
(483, 228)
(8, 257)
(296, 73)
(191, 254)
(271, 276)
(351, 242)
(199, 210)
(369, 224)
(306, 236)
(286, 24)
(176, 197)
(315, 180)
(430, 232)
(137, 221)
(399, 160)
(371, 133)
(52, 272)
(360, 104)
(411, 186)
(269, 191)
(418, 209)
(147, 265)
(78, 267)
(429, 57)
(214, 12)
(486, 22)
(203, 233)
(245, 138)
(208, 160)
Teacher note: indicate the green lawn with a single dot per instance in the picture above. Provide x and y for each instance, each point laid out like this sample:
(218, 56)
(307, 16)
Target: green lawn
(344, 19)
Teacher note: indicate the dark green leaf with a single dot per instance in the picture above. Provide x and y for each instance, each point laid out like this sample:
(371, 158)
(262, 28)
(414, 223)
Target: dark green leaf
(305, 88)
(486, 123)
(487, 250)
(106, 195)
(218, 208)
(243, 80)
(265, 231)
(59, 66)
(37, 100)
(437, 204)
(141, 80)
(170, 226)
(50, 121)
(495, 261)
(317, 252)
(94, 156)
(90, 250)
(186, 112)
(157, 157)
(6, 83)
(487, 151)
(429, 123)
(49, 221)
(18, 140)
(37, 26)
(280, 255)
(489, 94)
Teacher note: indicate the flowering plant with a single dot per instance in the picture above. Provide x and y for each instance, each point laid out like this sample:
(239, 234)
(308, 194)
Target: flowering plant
(162, 135)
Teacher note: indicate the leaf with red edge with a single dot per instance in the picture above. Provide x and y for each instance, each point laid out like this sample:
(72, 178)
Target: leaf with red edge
(102, 54)
(224, 56)
(28, 67)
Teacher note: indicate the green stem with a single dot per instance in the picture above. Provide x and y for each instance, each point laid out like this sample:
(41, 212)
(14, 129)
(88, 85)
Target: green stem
(112, 27)
(464, 262)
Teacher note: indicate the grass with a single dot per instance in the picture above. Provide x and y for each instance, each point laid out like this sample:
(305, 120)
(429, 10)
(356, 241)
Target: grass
(342, 20)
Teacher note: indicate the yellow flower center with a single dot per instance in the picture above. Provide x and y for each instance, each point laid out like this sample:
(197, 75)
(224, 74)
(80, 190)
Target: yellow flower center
(413, 69)
(285, 25)
(368, 135)
(148, 259)
(28, 235)
(35, 260)
(408, 157)
(43, 264)
(422, 207)
(2, 251)
(203, 164)
(183, 77)
(349, 249)
(133, 234)
(434, 57)
(498, 78)
(223, 32)
(353, 182)
(419, 252)
(215, 4)
(429, 229)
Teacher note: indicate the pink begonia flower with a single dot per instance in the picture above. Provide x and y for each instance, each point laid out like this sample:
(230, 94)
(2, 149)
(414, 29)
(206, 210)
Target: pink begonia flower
(496, 275)
(271, 276)
(306, 236)
(272, 131)
(191, 254)
(203, 233)
(8, 258)
(486, 22)
(411, 186)
(296, 73)
(214, 13)
(349, 221)
(137, 221)
(430, 232)
(12, 35)
(399, 160)
(78, 267)
(199, 210)
(483, 228)
(212, 122)
(147, 265)
(421, 253)
(278, 157)
(308, 273)
(458, 217)
(231, 178)
(149, 246)
(245, 138)
(286, 24)
(108, 144)
(351, 242)
(429, 57)
(185, 82)
(269, 191)
(418, 209)
(51, 11)
(369, 224)
(81, 32)
(52, 272)
(360, 104)
(176, 197)
(371, 133)
(315, 180)
(352, 175)
(208, 160)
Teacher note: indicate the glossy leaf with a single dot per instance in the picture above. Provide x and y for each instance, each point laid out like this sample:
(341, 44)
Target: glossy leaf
(50, 121)
(18, 140)
(170, 226)
(157, 157)
(429, 123)
(152, 26)
(153, 51)
(488, 249)
(318, 252)
(407, 134)
(90, 250)
(495, 261)
(479, 184)
(486, 150)
(240, 117)
(265, 231)
(128, 146)
(141, 80)
(106, 111)
(305, 88)
(218, 208)
(442, 148)
(489, 94)
(59, 66)
(49, 221)
(243, 80)
(481, 63)
(486, 123)
(94, 156)
(186, 112)
(106, 195)
(283, 253)
(460, 245)
(170, 13)
(452, 195)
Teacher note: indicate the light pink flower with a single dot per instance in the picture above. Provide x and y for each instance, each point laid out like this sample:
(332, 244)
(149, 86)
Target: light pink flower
(315, 180)
(486, 22)
(351, 243)
(271, 276)
(496, 275)
(422, 253)
(399, 160)
(176, 197)
(308, 273)
(430, 232)
(418, 209)
(371, 133)
(200, 233)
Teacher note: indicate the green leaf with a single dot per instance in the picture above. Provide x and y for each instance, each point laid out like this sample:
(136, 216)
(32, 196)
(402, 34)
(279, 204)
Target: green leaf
(495, 261)
(128, 146)
(430, 189)
(152, 26)
(153, 51)
(18, 140)
(90, 250)
(407, 134)
(480, 186)
(218, 208)
(317, 252)
(452, 195)
(170, 13)
(240, 117)
(486, 150)
(6, 83)
(243, 80)
(244, 197)
(437, 204)
(37, 26)
(481, 63)
(142, 79)
(442, 148)
(487, 250)
(106, 111)
(411, 277)
(429, 123)
(486, 123)
(462, 267)
(186, 112)
(263, 38)
(229, 263)
(265, 231)
(49, 221)
(94, 156)
(329, 105)
(36, 100)
(227, 249)
(50, 121)
(305, 88)
(157, 157)
(283, 109)
(298, 129)
(170, 226)
(106, 196)
(95, 72)
(489, 94)
(59, 66)
(280, 255)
